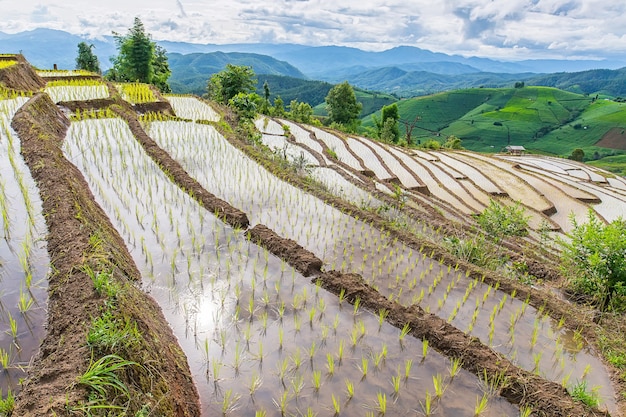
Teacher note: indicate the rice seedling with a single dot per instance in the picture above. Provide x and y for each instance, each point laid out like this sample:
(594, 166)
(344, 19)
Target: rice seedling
(229, 402)
(439, 385)
(349, 388)
(406, 329)
(424, 348)
(336, 405)
(408, 364)
(427, 405)
(255, 383)
(282, 402)
(395, 382)
(317, 380)
(4, 359)
(330, 364)
(364, 366)
(381, 403)
(12, 327)
(481, 405)
(455, 367)
(579, 392)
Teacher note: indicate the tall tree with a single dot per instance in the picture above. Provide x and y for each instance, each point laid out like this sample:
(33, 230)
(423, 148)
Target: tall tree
(234, 79)
(139, 59)
(342, 106)
(86, 59)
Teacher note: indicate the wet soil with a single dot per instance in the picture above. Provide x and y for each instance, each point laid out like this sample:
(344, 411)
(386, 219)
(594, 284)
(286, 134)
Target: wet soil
(163, 383)
(289, 250)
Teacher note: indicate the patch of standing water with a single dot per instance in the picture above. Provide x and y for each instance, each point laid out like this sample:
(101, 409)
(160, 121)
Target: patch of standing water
(24, 261)
(347, 244)
(257, 334)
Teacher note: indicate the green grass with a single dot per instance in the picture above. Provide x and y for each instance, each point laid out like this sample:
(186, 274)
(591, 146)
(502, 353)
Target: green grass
(579, 392)
(101, 379)
(615, 164)
(543, 119)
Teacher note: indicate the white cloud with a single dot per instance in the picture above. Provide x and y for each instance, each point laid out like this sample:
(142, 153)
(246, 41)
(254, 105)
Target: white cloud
(497, 28)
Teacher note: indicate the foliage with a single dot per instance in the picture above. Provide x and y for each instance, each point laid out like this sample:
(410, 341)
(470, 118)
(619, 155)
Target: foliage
(342, 106)
(475, 250)
(579, 392)
(389, 131)
(7, 404)
(577, 155)
(234, 79)
(101, 377)
(279, 107)
(108, 333)
(431, 144)
(452, 142)
(500, 221)
(86, 59)
(245, 104)
(595, 260)
(301, 112)
(387, 126)
(139, 59)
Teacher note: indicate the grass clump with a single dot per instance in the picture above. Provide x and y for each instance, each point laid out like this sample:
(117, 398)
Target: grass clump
(589, 397)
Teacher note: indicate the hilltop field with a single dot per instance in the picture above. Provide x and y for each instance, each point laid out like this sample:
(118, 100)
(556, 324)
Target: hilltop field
(161, 255)
(542, 119)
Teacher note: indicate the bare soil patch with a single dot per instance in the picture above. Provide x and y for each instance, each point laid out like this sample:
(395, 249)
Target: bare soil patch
(613, 139)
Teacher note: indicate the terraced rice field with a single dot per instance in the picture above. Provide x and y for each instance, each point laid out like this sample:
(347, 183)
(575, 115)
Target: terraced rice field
(260, 337)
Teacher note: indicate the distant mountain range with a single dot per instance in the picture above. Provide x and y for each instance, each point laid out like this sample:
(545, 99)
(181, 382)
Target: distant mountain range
(404, 70)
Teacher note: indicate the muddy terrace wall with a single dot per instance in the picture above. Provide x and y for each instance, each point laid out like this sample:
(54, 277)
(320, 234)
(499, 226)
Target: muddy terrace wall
(163, 382)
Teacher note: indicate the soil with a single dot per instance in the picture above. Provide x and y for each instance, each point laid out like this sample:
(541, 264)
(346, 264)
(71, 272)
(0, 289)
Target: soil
(290, 251)
(21, 76)
(613, 139)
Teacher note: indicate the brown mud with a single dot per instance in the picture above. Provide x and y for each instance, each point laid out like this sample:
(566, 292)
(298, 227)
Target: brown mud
(290, 251)
(163, 382)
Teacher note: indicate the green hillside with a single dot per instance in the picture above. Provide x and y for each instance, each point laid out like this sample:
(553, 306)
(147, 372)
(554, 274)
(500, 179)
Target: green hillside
(542, 119)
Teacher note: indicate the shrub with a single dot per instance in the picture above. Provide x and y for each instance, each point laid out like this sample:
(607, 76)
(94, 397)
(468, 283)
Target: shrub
(595, 260)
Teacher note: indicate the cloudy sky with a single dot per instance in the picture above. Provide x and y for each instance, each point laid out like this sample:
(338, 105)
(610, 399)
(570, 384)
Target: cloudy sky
(504, 29)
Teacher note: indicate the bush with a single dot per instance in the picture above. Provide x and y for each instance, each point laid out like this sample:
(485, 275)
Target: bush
(500, 221)
(595, 261)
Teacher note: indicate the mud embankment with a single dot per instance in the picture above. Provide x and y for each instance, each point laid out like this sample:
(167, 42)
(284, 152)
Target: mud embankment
(80, 236)
(21, 76)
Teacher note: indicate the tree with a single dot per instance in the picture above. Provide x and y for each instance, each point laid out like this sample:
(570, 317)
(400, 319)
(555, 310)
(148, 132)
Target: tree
(234, 79)
(86, 60)
(342, 106)
(595, 260)
(409, 125)
(265, 106)
(161, 70)
(577, 155)
(139, 59)
(301, 112)
(245, 104)
(453, 142)
(389, 123)
(279, 107)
